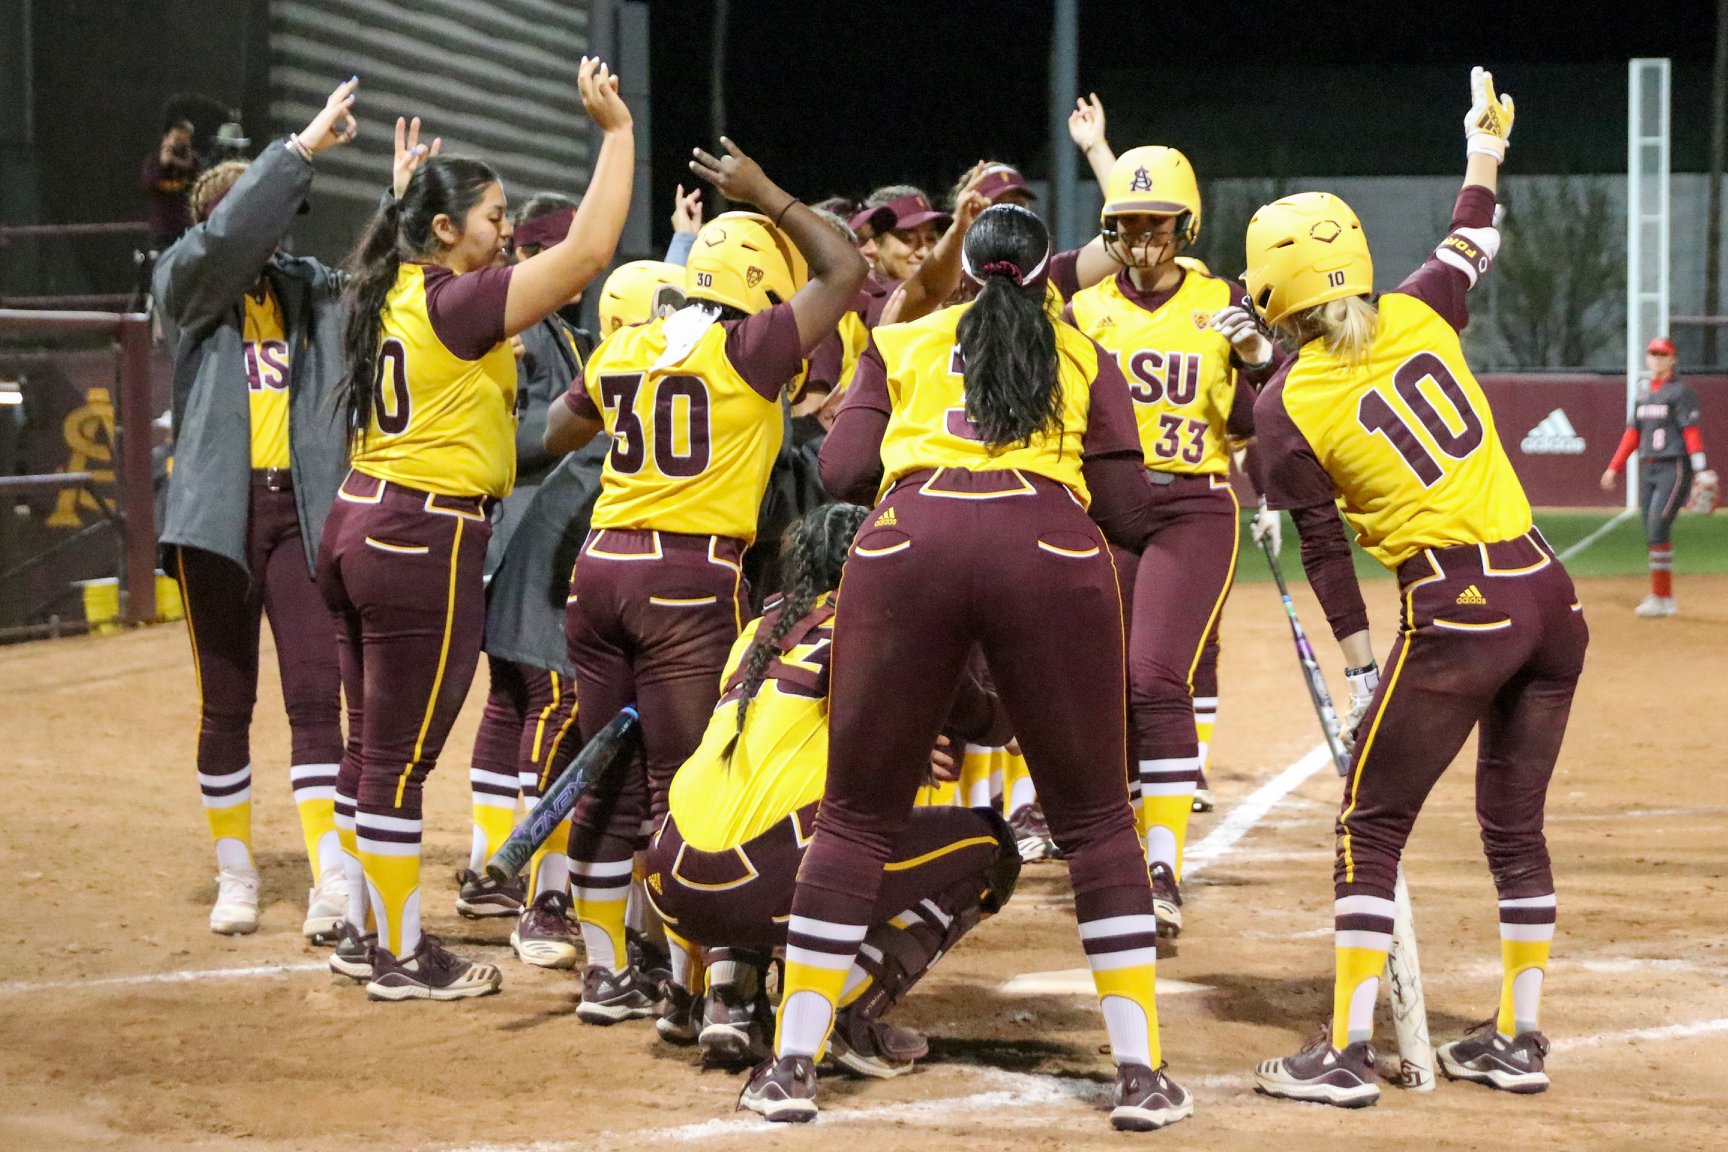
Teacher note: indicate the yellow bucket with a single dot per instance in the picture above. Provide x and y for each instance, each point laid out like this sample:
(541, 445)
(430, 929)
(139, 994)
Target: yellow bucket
(102, 601)
(168, 604)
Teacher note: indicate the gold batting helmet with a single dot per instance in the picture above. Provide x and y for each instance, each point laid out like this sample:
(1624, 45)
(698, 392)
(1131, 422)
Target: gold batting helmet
(1154, 179)
(1304, 250)
(742, 260)
(637, 292)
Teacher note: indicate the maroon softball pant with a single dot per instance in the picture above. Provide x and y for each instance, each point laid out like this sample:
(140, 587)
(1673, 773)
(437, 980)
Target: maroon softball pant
(1012, 563)
(1176, 590)
(400, 570)
(1493, 636)
(528, 729)
(223, 609)
(651, 619)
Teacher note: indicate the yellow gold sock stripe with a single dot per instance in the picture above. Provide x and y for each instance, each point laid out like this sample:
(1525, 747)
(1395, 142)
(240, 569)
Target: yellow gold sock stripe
(1390, 686)
(937, 854)
(443, 660)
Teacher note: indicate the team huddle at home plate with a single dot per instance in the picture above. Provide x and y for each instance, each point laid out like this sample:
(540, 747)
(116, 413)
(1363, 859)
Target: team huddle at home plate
(869, 553)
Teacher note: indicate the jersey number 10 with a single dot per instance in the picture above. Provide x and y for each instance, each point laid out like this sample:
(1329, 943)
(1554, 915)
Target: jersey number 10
(682, 437)
(1377, 416)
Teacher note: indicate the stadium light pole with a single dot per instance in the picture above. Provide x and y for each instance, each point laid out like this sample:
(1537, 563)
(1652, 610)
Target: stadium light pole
(1718, 157)
(1647, 221)
(1064, 90)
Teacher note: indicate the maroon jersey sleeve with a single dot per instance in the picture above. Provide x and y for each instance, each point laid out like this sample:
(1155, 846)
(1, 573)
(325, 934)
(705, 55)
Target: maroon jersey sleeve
(1110, 426)
(1065, 272)
(1240, 422)
(850, 462)
(1285, 469)
(1330, 571)
(765, 349)
(576, 398)
(467, 311)
(1442, 282)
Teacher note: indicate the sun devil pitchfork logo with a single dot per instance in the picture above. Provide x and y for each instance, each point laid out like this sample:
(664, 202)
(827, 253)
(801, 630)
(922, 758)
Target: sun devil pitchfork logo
(753, 276)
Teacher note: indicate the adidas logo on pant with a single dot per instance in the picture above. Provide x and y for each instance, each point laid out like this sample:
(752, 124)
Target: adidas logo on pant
(1472, 595)
(1553, 436)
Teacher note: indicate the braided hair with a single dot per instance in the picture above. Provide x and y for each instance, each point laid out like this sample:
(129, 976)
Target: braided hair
(813, 553)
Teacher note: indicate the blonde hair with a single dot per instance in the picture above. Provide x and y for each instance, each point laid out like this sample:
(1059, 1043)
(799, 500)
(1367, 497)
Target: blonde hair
(207, 191)
(1347, 326)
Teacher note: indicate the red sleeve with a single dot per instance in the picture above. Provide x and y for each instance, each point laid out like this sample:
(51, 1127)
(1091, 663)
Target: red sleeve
(1331, 573)
(1110, 426)
(576, 398)
(765, 349)
(1693, 434)
(467, 311)
(1285, 469)
(1629, 445)
(850, 461)
(1442, 285)
(1065, 272)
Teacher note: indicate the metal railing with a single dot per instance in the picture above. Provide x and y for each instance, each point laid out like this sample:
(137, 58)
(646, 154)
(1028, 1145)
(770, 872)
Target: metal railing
(134, 476)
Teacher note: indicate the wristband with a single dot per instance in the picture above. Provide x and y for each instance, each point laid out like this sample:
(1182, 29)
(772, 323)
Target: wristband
(299, 149)
(785, 210)
(1370, 667)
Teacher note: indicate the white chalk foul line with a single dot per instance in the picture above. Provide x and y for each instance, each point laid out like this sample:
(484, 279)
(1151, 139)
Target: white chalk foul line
(184, 977)
(1251, 811)
(1634, 1035)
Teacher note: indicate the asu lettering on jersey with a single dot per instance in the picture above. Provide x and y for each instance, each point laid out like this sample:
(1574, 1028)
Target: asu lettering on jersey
(693, 439)
(267, 362)
(781, 761)
(1176, 364)
(1409, 443)
(928, 426)
(444, 401)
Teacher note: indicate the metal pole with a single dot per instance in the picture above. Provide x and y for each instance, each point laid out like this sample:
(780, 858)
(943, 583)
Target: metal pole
(137, 486)
(1718, 157)
(717, 90)
(1064, 90)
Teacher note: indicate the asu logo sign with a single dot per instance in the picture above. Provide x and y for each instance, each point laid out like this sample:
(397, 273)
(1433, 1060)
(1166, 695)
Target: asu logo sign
(1142, 181)
(1325, 231)
(753, 276)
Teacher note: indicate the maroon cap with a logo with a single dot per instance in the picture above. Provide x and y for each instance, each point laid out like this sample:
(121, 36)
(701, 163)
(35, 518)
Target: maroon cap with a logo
(998, 180)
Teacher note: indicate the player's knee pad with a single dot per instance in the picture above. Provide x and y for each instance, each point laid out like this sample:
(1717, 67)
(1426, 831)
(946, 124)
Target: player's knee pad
(1002, 874)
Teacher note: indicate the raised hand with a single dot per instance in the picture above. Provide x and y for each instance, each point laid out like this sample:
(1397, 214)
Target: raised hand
(335, 122)
(409, 153)
(1086, 123)
(970, 202)
(739, 178)
(1488, 124)
(687, 210)
(600, 97)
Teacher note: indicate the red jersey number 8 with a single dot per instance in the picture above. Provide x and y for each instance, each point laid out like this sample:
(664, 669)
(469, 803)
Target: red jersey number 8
(390, 406)
(683, 440)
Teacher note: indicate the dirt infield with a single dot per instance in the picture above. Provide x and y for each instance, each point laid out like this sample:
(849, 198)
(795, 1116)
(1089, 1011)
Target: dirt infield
(125, 1023)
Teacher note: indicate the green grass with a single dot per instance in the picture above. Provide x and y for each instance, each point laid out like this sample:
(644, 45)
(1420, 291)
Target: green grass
(1700, 545)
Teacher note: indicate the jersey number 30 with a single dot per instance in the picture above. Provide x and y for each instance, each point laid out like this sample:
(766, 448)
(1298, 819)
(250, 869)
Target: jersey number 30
(682, 438)
(1376, 415)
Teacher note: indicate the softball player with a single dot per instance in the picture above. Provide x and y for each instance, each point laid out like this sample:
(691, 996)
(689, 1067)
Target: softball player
(722, 867)
(1155, 316)
(1666, 430)
(1380, 412)
(431, 397)
(255, 334)
(988, 430)
(657, 596)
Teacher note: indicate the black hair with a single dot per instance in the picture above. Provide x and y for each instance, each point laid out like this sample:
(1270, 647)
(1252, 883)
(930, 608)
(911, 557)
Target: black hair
(812, 554)
(543, 204)
(1013, 386)
(399, 230)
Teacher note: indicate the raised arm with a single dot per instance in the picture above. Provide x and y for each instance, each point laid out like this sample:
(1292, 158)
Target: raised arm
(938, 277)
(836, 269)
(204, 273)
(545, 282)
(1086, 129)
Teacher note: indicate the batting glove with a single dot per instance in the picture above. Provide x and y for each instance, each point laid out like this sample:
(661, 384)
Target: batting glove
(1246, 337)
(1363, 682)
(1268, 526)
(1489, 121)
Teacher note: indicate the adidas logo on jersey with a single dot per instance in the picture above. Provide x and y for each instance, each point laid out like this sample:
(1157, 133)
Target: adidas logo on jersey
(1553, 436)
(886, 520)
(1472, 595)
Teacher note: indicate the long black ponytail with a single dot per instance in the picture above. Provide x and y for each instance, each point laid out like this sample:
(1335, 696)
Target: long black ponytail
(814, 552)
(399, 230)
(1013, 387)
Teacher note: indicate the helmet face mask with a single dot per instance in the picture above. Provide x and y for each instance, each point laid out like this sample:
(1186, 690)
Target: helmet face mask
(1147, 186)
(1147, 239)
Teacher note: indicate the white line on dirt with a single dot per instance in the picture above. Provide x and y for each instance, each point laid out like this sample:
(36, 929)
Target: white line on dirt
(184, 977)
(1251, 811)
(1633, 1035)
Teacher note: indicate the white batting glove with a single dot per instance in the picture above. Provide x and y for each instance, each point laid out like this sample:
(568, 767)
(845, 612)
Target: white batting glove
(1268, 526)
(1242, 329)
(1363, 682)
(1489, 121)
